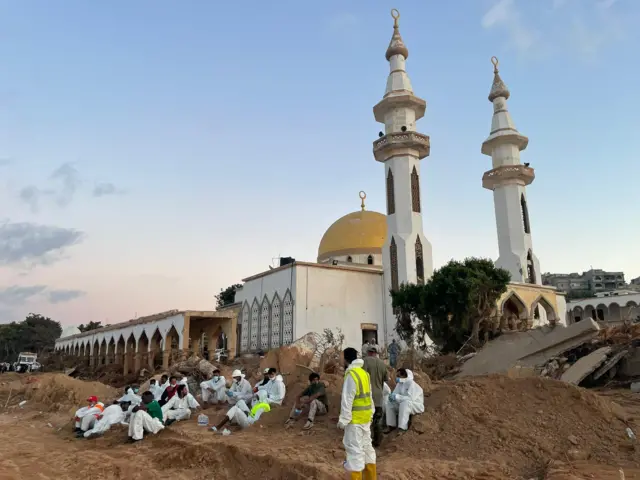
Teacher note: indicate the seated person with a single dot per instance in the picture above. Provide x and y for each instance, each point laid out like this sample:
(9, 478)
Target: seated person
(313, 398)
(169, 391)
(130, 396)
(242, 416)
(240, 389)
(179, 406)
(273, 391)
(111, 415)
(213, 390)
(407, 399)
(146, 417)
(264, 380)
(85, 417)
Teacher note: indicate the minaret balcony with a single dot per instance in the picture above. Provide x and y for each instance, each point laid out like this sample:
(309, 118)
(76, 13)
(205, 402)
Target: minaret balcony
(508, 175)
(394, 100)
(395, 143)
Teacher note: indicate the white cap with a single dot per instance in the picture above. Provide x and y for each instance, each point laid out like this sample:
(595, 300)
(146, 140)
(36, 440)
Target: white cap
(236, 373)
(266, 370)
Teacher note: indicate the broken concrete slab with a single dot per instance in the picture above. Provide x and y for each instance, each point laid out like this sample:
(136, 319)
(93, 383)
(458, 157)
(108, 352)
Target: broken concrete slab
(610, 364)
(528, 349)
(585, 366)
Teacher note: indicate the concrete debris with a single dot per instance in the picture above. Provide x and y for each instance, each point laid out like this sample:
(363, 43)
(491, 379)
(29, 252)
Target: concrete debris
(610, 367)
(585, 366)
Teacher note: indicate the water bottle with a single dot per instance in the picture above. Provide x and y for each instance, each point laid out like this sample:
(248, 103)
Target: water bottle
(203, 420)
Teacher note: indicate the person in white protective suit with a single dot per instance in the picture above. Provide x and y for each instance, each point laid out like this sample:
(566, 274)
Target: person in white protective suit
(242, 416)
(112, 415)
(179, 406)
(147, 417)
(240, 389)
(130, 396)
(386, 391)
(356, 414)
(159, 390)
(407, 399)
(213, 390)
(85, 417)
(184, 382)
(264, 380)
(273, 392)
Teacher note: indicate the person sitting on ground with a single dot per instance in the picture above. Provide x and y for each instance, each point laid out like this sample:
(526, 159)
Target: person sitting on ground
(407, 399)
(179, 406)
(111, 415)
(378, 375)
(146, 417)
(240, 389)
(131, 395)
(169, 391)
(85, 417)
(263, 381)
(273, 391)
(242, 416)
(213, 390)
(159, 388)
(184, 381)
(313, 398)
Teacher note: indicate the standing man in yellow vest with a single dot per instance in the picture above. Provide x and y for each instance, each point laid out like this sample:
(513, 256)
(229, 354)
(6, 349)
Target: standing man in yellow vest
(356, 413)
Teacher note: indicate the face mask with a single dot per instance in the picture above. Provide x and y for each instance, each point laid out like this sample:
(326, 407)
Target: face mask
(402, 380)
(237, 380)
(216, 378)
(397, 379)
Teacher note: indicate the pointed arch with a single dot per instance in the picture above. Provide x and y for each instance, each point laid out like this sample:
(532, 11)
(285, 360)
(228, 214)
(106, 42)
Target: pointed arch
(393, 255)
(287, 318)
(155, 353)
(370, 260)
(419, 262)
(129, 353)
(102, 356)
(531, 268)
(514, 305)
(264, 323)
(541, 301)
(415, 190)
(276, 321)
(391, 195)
(244, 328)
(349, 259)
(95, 348)
(111, 350)
(525, 214)
(254, 325)
(142, 353)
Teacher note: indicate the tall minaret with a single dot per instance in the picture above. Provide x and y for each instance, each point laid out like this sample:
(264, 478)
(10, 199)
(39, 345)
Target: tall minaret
(406, 254)
(508, 180)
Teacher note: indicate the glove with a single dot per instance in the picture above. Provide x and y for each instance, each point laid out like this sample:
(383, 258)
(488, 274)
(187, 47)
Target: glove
(341, 425)
(229, 393)
(392, 397)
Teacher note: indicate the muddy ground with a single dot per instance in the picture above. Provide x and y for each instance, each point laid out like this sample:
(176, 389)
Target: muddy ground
(485, 428)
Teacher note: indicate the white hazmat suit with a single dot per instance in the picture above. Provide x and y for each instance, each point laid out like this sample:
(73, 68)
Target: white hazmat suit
(213, 391)
(112, 414)
(86, 416)
(142, 422)
(179, 408)
(357, 437)
(273, 392)
(239, 390)
(407, 399)
(386, 391)
(130, 397)
(241, 415)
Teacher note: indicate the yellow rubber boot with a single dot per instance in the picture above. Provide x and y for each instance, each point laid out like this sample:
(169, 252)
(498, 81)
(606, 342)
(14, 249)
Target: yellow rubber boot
(356, 475)
(370, 472)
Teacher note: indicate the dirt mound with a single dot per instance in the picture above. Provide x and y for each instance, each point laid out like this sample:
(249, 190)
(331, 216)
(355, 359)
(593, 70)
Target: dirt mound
(60, 392)
(521, 423)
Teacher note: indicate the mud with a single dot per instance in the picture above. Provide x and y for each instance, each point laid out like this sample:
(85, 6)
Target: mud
(487, 428)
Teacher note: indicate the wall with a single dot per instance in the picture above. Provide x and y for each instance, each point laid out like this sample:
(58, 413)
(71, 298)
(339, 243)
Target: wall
(531, 295)
(612, 309)
(336, 298)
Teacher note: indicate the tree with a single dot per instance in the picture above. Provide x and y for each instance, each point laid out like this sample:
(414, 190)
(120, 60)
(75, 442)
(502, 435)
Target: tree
(90, 326)
(227, 296)
(454, 306)
(34, 334)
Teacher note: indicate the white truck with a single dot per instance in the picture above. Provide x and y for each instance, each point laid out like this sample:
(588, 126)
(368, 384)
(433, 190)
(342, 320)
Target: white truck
(27, 362)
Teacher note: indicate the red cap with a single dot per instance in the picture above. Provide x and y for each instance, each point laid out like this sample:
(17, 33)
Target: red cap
(92, 399)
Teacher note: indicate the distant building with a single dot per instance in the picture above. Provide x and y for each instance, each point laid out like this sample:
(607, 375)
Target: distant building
(592, 281)
(635, 281)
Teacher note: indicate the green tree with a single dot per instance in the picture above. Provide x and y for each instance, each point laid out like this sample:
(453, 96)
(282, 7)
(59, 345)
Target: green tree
(227, 296)
(454, 306)
(90, 326)
(34, 334)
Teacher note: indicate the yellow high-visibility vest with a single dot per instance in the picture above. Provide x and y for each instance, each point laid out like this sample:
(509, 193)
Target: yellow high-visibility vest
(362, 409)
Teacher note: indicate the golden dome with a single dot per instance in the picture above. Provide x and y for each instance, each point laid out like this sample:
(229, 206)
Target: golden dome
(355, 233)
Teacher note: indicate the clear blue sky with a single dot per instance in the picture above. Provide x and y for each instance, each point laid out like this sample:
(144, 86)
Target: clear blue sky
(153, 152)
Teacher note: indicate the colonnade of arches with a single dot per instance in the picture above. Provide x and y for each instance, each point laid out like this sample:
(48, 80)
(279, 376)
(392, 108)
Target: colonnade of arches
(514, 314)
(616, 311)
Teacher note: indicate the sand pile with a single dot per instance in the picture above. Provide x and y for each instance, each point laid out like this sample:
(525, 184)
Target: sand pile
(60, 392)
(521, 423)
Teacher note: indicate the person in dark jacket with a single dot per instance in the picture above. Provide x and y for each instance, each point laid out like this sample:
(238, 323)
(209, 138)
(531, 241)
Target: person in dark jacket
(377, 371)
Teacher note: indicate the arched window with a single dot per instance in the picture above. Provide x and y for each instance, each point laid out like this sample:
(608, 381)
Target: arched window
(391, 196)
(370, 260)
(393, 254)
(349, 259)
(419, 262)
(415, 191)
(531, 271)
(525, 214)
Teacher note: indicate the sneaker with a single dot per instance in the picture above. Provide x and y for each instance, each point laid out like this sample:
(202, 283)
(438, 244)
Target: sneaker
(389, 430)
(308, 425)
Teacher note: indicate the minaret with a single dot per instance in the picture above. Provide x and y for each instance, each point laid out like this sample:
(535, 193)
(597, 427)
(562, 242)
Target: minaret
(407, 253)
(508, 180)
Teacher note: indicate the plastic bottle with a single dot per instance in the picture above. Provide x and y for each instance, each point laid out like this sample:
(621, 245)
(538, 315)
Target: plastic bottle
(203, 420)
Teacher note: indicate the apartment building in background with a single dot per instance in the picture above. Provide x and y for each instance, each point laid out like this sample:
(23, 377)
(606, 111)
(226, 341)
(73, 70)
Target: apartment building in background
(592, 281)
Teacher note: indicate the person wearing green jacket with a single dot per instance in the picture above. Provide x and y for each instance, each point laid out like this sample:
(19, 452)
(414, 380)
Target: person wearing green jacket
(146, 417)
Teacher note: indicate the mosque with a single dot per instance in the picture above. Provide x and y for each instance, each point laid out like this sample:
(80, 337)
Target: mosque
(363, 255)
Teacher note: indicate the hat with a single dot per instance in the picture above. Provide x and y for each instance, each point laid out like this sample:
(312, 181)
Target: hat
(237, 373)
(266, 370)
(92, 399)
(373, 348)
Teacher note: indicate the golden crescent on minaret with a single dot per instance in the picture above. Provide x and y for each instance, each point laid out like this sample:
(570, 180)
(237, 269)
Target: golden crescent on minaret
(362, 196)
(395, 14)
(495, 63)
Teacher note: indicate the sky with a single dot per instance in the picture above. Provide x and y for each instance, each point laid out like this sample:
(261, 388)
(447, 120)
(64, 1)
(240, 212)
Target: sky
(154, 152)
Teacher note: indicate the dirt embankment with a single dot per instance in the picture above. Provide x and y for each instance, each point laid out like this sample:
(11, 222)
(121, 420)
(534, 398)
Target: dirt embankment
(486, 428)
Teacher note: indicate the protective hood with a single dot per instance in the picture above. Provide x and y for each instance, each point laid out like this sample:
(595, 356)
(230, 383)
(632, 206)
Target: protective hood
(237, 373)
(358, 362)
(409, 375)
(183, 381)
(279, 379)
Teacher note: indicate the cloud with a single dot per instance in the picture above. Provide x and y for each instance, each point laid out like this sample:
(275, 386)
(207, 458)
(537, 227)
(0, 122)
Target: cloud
(104, 189)
(60, 296)
(32, 196)
(68, 175)
(32, 244)
(16, 295)
(505, 16)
